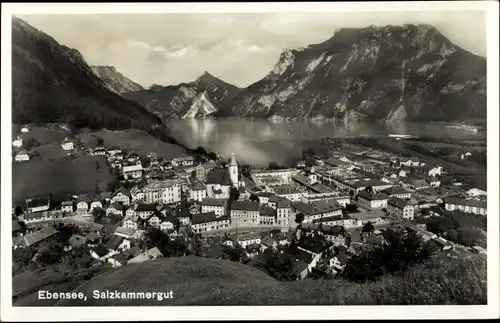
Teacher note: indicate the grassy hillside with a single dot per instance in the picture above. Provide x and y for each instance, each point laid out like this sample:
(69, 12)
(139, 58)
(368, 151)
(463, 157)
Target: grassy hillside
(137, 140)
(59, 177)
(45, 135)
(199, 281)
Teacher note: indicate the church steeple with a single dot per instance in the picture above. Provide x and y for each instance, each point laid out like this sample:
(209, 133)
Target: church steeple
(233, 170)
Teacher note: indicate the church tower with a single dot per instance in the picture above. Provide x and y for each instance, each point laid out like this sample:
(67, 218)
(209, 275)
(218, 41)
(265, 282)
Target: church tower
(233, 170)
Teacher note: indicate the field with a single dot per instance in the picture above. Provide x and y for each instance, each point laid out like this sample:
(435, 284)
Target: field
(199, 281)
(133, 140)
(60, 177)
(45, 135)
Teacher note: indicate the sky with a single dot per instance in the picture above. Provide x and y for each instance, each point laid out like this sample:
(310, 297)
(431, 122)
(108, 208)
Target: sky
(238, 48)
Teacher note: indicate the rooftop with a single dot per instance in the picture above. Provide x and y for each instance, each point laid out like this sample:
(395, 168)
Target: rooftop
(218, 175)
(213, 202)
(132, 168)
(245, 205)
(207, 217)
(373, 197)
(459, 201)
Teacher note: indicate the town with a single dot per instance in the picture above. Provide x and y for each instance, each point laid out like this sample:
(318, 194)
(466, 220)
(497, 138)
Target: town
(320, 212)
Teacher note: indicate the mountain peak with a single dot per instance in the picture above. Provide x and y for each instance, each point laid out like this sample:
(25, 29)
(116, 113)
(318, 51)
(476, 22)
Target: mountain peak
(205, 77)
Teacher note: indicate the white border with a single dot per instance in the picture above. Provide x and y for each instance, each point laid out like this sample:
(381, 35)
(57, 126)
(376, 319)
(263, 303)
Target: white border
(241, 312)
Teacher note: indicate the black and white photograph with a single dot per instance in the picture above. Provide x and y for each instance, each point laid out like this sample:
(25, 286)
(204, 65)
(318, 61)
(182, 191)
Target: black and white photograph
(239, 160)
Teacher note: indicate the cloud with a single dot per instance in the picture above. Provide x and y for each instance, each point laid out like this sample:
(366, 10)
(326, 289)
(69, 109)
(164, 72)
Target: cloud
(176, 51)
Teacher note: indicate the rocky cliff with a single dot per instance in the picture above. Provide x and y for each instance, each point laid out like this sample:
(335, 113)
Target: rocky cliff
(116, 81)
(390, 73)
(200, 98)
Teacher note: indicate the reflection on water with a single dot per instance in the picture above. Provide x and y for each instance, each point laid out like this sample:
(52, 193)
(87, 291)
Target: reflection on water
(260, 141)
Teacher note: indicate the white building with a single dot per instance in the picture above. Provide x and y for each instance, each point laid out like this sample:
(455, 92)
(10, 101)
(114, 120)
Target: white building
(121, 196)
(25, 129)
(197, 191)
(132, 171)
(373, 201)
(435, 171)
(164, 192)
(183, 161)
(469, 206)
(205, 222)
(283, 208)
(67, 144)
(218, 206)
(289, 192)
(18, 143)
(22, 155)
(245, 212)
(399, 208)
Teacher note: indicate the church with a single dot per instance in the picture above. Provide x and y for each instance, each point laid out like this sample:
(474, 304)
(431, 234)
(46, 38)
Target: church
(220, 180)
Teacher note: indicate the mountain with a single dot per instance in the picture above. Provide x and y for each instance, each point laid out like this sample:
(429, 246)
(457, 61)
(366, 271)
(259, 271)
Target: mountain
(185, 100)
(116, 81)
(390, 73)
(51, 82)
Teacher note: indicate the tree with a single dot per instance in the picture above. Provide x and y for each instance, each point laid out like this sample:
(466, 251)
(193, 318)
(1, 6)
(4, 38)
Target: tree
(98, 213)
(369, 189)
(246, 170)
(201, 151)
(100, 141)
(452, 235)
(234, 194)
(403, 249)
(299, 218)
(31, 143)
(273, 165)
(468, 237)
(368, 227)
(254, 198)
(212, 156)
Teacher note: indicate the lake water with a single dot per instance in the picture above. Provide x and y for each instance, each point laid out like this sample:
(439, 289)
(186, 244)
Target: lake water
(259, 142)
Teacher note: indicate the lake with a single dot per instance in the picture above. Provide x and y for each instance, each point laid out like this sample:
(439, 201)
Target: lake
(259, 142)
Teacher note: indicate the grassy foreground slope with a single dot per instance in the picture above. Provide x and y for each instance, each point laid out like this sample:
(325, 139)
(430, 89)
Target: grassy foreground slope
(200, 281)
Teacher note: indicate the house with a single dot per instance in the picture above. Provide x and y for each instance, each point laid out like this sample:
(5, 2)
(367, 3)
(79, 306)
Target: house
(318, 209)
(283, 209)
(117, 260)
(154, 221)
(415, 183)
(95, 204)
(34, 205)
(473, 192)
(165, 165)
(34, 238)
(113, 151)
(132, 171)
(197, 191)
(409, 162)
(289, 192)
(116, 164)
(184, 216)
(218, 206)
(115, 208)
(209, 222)
(372, 200)
(376, 217)
(137, 195)
(245, 212)
(267, 215)
(264, 197)
(22, 155)
(268, 242)
(247, 239)
(132, 157)
(435, 171)
(400, 208)
(164, 191)
(399, 192)
(124, 232)
(18, 142)
(145, 211)
(338, 262)
(83, 204)
(99, 151)
(120, 196)
(183, 161)
(68, 206)
(434, 181)
(117, 244)
(167, 224)
(100, 253)
(67, 144)
(252, 250)
(25, 129)
(468, 206)
(375, 184)
(130, 222)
